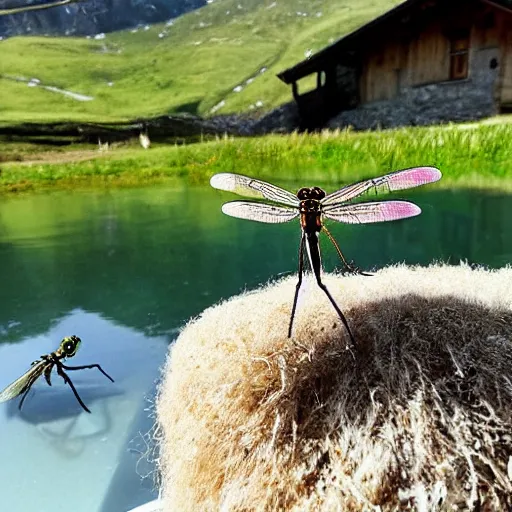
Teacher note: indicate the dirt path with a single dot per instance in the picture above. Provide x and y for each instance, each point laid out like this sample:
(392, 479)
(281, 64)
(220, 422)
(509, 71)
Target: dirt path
(59, 157)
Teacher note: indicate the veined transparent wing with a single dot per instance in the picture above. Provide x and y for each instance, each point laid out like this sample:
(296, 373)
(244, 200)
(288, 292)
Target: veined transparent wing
(364, 213)
(399, 180)
(260, 212)
(249, 187)
(20, 385)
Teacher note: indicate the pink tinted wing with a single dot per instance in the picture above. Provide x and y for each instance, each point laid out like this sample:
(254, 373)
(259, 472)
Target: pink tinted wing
(260, 212)
(364, 213)
(249, 187)
(399, 180)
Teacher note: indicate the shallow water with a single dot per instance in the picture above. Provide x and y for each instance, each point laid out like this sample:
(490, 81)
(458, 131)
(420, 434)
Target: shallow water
(125, 270)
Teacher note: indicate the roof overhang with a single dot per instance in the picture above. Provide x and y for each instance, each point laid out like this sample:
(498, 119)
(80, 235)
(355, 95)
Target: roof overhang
(345, 50)
(339, 47)
(506, 5)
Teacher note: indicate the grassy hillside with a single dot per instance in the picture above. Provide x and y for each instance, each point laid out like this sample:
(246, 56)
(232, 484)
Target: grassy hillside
(192, 65)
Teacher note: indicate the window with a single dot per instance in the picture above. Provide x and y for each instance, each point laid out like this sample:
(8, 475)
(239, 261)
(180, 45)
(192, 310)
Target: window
(321, 78)
(459, 57)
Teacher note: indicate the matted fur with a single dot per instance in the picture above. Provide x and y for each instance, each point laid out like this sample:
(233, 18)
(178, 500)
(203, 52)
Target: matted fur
(419, 417)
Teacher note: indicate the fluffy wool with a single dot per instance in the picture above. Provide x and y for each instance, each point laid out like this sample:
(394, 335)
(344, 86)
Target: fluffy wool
(418, 416)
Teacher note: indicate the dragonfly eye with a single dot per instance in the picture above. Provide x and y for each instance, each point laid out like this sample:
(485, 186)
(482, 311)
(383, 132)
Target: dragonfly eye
(303, 193)
(70, 345)
(317, 193)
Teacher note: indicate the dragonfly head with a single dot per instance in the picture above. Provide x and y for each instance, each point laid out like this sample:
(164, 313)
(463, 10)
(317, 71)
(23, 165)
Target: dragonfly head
(69, 345)
(311, 193)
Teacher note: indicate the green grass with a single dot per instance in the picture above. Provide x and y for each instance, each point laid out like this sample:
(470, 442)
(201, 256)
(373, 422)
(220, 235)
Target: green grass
(204, 55)
(477, 155)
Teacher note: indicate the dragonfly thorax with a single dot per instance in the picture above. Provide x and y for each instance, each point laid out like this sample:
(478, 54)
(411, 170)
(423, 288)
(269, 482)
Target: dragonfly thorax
(310, 206)
(310, 218)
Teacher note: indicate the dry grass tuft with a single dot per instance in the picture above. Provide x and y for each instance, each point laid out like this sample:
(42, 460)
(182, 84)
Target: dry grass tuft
(420, 418)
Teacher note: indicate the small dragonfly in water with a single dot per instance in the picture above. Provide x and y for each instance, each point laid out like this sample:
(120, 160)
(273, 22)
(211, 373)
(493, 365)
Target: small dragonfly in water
(44, 366)
(312, 204)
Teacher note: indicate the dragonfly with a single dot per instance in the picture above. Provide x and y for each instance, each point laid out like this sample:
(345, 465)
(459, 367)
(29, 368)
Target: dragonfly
(312, 205)
(44, 365)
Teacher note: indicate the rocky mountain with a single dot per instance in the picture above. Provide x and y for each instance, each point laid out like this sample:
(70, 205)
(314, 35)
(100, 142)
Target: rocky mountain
(90, 16)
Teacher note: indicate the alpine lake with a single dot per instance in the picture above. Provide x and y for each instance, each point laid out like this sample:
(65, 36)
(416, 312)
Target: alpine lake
(126, 269)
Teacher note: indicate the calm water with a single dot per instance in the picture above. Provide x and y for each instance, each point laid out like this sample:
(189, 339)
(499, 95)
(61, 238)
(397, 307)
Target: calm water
(124, 270)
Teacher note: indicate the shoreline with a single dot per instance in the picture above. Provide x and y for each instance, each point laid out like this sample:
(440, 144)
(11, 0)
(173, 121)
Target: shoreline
(479, 156)
(132, 181)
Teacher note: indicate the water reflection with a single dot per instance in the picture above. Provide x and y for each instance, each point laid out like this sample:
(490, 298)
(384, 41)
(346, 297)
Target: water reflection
(49, 404)
(52, 440)
(68, 438)
(125, 270)
(150, 259)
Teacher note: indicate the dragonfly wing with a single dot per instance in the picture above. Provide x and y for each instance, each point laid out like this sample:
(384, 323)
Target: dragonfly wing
(364, 213)
(22, 383)
(249, 187)
(399, 180)
(259, 212)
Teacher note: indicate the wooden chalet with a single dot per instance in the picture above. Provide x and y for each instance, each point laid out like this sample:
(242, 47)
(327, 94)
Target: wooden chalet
(418, 44)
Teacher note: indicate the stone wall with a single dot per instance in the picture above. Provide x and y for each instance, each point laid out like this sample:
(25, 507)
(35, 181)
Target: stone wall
(283, 119)
(461, 100)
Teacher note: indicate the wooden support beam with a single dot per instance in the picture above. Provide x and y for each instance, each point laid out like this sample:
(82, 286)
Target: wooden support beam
(295, 91)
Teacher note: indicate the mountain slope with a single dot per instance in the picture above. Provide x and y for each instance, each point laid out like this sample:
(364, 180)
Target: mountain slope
(90, 16)
(195, 64)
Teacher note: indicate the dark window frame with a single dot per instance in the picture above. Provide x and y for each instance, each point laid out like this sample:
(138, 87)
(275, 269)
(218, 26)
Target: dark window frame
(459, 56)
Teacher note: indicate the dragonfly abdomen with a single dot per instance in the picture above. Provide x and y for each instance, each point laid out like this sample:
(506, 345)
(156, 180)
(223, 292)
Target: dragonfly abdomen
(313, 250)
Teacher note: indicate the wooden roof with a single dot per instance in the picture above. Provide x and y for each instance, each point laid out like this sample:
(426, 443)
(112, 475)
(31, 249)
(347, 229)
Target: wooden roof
(344, 50)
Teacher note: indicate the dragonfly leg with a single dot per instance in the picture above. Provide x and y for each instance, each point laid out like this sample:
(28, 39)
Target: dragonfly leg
(338, 310)
(25, 392)
(48, 374)
(28, 386)
(316, 266)
(67, 380)
(297, 287)
(87, 366)
(351, 268)
(23, 397)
